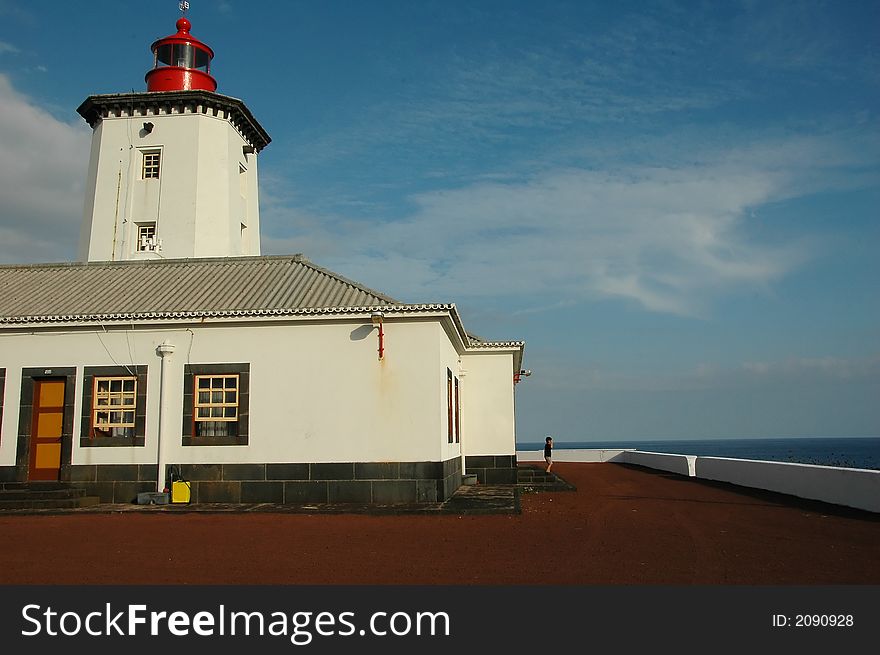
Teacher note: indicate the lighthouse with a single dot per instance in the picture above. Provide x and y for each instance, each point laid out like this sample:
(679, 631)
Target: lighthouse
(172, 170)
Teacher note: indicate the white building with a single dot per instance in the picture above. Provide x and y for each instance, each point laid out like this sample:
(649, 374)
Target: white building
(174, 346)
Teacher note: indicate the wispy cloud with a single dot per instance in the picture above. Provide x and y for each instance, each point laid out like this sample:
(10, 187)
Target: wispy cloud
(7, 48)
(667, 238)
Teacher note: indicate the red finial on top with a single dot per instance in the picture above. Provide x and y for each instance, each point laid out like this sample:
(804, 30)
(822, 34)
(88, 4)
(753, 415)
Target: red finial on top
(181, 62)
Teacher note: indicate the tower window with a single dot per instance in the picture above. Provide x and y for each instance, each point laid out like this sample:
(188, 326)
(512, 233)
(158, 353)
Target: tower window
(151, 165)
(146, 237)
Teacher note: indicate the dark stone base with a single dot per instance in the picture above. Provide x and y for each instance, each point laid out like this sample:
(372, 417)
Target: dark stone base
(114, 483)
(9, 474)
(381, 483)
(492, 469)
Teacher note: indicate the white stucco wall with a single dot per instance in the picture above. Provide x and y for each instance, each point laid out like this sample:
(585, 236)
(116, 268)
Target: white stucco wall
(318, 392)
(681, 464)
(488, 413)
(859, 488)
(196, 202)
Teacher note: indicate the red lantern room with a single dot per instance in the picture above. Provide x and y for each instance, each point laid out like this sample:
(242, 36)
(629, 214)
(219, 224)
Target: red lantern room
(181, 62)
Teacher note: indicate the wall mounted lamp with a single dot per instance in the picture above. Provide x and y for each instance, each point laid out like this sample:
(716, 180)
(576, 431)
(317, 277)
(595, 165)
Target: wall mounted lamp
(148, 127)
(248, 150)
(377, 319)
(522, 373)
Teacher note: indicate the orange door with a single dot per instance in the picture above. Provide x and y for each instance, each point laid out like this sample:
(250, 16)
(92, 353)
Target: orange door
(46, 430)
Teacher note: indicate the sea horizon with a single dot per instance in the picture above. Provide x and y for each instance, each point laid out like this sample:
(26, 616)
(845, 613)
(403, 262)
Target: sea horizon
(848, 452)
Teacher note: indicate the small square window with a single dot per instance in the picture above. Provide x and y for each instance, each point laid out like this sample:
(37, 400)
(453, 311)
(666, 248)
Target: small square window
(146, 237)
(150, 168)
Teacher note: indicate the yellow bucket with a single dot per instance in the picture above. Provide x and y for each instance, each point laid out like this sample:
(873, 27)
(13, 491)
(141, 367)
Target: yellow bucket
(180, 491)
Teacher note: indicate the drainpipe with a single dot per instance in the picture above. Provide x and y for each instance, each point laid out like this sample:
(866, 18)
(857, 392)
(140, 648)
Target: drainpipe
(164, 351)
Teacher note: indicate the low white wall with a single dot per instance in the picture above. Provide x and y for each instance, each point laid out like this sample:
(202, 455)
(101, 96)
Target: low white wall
(859, 488)
(681, 464)
(572, 455)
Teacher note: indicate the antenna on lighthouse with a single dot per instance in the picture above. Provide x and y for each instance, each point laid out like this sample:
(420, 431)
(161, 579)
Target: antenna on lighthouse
(184, 5)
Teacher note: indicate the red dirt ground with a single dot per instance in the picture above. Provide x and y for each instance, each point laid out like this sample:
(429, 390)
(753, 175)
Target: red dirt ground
(622, 526)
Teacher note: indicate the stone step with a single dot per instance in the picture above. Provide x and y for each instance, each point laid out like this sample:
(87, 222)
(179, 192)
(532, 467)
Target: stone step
(51, 494)
(66, 503)
(35, 486)
(535, 478)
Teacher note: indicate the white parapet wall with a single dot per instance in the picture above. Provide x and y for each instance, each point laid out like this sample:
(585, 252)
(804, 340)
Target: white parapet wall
(572, 455)
(681, 464)
(859, 488)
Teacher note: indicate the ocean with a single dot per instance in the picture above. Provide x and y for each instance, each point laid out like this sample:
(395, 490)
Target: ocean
(849, 452)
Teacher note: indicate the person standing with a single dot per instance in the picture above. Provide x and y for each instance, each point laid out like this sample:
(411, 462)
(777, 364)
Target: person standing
(548, 452)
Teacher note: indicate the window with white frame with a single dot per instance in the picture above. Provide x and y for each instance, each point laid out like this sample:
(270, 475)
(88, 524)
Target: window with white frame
(146, 237)
(150, 169)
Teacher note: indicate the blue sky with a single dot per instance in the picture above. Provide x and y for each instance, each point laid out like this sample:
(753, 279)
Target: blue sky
(675, 204)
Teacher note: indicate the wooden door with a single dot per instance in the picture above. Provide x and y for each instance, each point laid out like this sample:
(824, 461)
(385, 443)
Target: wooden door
(47, 427)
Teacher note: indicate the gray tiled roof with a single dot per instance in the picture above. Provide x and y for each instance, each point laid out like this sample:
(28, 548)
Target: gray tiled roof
(226, 284)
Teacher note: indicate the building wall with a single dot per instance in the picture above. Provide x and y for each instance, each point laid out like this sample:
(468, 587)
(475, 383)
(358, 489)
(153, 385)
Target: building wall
(320, 405)
(197, 201)
(488, 417)
(317, 390)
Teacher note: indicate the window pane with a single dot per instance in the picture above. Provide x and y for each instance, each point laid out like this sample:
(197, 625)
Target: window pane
(204, 397)
(230, 397)
(204, 383)
(216, 396)
(231, 383)
(231, 412)
(163, 53)
(128, 418)
(128, 385)
(103, 386)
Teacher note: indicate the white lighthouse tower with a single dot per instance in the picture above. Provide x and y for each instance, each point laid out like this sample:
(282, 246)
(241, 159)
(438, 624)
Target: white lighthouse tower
(173, 171)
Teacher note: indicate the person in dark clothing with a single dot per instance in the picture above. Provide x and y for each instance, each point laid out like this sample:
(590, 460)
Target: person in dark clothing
(548, 452)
